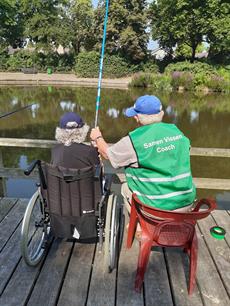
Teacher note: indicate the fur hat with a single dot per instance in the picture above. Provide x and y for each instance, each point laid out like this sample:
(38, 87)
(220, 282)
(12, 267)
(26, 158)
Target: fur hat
(71, 129)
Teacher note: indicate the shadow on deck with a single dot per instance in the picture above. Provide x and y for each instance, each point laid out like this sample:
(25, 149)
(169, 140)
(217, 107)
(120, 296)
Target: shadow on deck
(72, 273)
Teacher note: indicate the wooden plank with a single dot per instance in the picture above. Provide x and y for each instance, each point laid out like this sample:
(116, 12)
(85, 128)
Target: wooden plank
(219, 249)
(17, 173)
(75, 286)
(6, 204)
(209, 282)
(126, 275)
(44, 143)
(212, 183)
(178, 266)
(210, 152)
(20, 285)
(3, 189)
(9, 258)
(102, 288)
(27, 143)
(49, 282)
(156, 283)
(202, 183)
(222, 219)
(11, 221)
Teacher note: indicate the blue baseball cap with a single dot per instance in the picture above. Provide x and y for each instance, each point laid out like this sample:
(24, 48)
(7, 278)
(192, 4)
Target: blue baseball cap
(146, 105)
(71, 121)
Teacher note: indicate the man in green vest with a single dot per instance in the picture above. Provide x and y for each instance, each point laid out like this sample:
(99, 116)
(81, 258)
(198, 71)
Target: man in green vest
(155, 156)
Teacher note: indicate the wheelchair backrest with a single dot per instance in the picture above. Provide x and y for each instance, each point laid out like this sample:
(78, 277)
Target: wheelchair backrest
(72, 192)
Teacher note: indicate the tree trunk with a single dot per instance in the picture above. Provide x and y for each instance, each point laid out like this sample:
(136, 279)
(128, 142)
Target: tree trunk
(193, 53)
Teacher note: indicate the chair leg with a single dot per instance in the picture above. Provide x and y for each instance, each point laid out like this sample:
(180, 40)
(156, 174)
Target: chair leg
(144, 252)
(193, 263)
(131, 229)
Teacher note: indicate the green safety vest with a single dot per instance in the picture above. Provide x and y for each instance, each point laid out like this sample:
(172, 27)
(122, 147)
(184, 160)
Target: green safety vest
(163, 178)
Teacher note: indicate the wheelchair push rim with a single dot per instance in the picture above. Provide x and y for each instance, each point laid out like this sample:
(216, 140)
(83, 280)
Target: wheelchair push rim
(34, 232)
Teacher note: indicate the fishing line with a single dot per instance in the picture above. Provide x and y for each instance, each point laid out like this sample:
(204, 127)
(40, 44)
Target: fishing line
(101, 64)
(15, 111)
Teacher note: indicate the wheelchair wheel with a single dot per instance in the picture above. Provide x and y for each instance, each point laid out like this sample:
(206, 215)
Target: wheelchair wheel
(35, 229)
(112, 233)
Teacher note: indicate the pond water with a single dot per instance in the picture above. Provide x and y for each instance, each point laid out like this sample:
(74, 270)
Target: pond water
(204, 119)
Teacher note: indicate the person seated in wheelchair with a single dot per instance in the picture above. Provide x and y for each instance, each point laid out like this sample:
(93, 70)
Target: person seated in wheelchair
(67, 157)
(73, 199)
(156, 157)
(71, 152)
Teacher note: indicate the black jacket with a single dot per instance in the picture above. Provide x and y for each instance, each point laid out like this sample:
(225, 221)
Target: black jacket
(77, 155)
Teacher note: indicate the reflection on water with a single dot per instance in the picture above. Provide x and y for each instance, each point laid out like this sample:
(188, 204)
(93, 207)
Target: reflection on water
(204, 119)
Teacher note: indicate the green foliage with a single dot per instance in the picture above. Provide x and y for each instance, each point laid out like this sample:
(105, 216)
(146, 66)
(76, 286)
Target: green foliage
(40, 61)
(190, 77)
(184, 51)
(190, 67)
(149, 67)
(196, 75)
(3, 58)
(185, 22)
(87, 65)
(78, 25)
(141, 80)
(11, 23)
(43, 22)
(126, 30)
(218, 32)
(161, 82)
(157, 81)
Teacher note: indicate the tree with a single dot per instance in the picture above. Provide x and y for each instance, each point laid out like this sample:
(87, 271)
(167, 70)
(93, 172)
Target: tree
(11, 23)
(218, 35)
(177, 22)
(43, 22)
(79, 17)
(126, 30)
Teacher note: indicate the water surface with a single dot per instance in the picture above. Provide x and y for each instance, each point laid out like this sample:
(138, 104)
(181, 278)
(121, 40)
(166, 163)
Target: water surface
(204, 119)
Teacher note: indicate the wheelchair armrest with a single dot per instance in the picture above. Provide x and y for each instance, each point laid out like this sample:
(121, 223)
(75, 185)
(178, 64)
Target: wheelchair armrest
(97, 172)
(108, 182)
(31, 167)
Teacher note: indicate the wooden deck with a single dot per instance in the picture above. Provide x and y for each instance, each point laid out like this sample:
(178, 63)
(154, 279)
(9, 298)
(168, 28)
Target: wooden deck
(72, 274)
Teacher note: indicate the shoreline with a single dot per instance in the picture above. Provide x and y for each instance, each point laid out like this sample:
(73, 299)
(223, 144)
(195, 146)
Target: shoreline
(19, 78)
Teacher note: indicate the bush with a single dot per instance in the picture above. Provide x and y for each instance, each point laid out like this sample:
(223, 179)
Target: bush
(149, 67)
(87, 65)
(3, 58)
(198, 75)
(39, 60)
(20, 59)
(141, 80)
(193, 68)
(182, 79)
(161, 82)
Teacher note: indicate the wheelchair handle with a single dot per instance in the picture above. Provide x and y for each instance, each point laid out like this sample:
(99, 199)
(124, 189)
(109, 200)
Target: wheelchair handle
(31, 167)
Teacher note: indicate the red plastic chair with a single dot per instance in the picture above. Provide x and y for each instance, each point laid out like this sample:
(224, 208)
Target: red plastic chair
(166, 229)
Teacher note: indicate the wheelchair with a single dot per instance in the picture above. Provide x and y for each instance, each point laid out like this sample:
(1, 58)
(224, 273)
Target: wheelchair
(75, 204)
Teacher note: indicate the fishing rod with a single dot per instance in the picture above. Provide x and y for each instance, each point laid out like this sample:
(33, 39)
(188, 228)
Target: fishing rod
(101, 64)
(16, 110)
